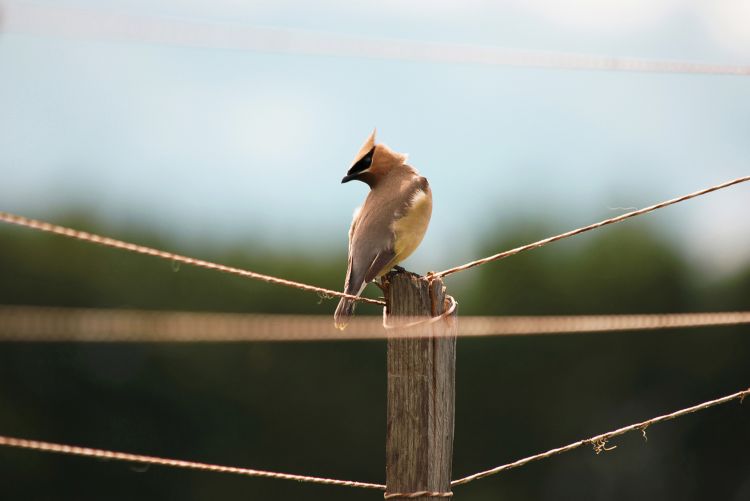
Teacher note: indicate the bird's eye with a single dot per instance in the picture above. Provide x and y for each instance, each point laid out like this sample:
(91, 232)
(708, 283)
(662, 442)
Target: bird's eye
(363, 163)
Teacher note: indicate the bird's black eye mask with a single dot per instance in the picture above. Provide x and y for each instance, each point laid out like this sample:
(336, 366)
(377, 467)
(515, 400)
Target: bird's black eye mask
(363, 163)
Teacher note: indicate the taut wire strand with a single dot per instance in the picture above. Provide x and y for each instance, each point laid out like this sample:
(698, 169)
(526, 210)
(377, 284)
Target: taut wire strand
(149, 251)
(599, 442)
(37, 445)
(98, 24)
(418, 494)
(405, 324)
(56, 324)
(540, 243)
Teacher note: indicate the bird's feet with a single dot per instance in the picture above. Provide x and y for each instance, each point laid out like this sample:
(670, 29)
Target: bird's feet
(384, 281)
(397, 270)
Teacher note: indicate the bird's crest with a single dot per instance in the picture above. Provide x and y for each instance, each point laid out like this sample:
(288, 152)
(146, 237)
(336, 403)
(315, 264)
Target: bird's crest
(366, 148)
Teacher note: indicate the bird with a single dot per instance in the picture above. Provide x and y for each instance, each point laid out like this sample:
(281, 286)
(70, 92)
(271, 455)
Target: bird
(389, 225)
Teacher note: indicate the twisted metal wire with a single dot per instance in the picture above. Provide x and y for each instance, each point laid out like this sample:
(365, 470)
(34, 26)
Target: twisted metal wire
(38, 445)
(46, 20)
(599, 442)
(622, 217)
(149, 251)
(55, 324)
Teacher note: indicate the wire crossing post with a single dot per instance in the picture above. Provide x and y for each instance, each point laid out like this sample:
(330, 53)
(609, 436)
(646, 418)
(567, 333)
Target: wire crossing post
(421, 389)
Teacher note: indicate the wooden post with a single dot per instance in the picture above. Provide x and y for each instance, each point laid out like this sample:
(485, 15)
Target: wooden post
(421, 388)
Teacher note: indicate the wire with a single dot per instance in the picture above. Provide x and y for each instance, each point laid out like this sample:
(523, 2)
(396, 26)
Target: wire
(51, 324)
(47, 20)
(140, 249)
(599, 442)
(540, 243)
(579, 324)
(37, 445)
(417, 494)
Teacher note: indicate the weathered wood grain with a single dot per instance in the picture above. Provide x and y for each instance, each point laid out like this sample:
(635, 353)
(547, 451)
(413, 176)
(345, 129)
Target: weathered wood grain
(421, 389)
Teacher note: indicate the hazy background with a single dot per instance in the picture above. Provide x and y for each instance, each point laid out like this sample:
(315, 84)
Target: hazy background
(236, 156)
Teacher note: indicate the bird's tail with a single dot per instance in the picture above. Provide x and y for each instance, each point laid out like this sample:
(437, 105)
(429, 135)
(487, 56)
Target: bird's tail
(344, 312)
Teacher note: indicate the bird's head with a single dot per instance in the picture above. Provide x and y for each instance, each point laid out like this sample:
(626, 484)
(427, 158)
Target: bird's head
(373, 162)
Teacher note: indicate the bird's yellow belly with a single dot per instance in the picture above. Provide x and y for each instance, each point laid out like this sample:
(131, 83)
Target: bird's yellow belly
(410, 229)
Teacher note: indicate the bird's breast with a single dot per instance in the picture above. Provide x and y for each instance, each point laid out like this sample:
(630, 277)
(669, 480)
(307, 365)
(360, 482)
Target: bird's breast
(411, 227)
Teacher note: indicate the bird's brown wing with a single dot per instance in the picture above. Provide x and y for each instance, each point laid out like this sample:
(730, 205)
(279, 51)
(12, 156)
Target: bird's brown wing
(381, 261)
(360, 275)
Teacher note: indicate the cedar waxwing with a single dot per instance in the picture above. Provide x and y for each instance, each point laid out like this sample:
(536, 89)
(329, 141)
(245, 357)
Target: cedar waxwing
(390, 224)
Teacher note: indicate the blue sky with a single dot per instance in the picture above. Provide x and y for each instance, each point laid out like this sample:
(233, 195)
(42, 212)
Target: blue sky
(216, 144)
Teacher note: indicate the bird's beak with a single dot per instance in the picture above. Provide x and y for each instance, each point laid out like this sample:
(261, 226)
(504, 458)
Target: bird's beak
(348, 178)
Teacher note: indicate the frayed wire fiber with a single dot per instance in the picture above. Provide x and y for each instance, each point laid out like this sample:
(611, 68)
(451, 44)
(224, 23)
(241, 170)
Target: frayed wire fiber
(599, 442)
